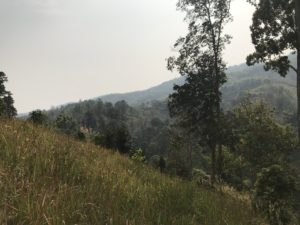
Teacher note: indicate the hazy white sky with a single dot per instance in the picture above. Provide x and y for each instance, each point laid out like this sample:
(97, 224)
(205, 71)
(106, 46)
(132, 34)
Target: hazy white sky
(58, 51)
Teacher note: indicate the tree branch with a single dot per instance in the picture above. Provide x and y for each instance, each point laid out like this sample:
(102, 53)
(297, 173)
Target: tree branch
(293, 68)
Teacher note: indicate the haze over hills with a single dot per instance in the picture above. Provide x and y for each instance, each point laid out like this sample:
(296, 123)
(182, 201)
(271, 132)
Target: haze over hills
(242, 79)
(279, 92)
(146, 113)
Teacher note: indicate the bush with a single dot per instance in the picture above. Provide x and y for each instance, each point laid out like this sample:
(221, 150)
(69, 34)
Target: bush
(138, 155)
(274, 193)
(201, 178)
(38, 117)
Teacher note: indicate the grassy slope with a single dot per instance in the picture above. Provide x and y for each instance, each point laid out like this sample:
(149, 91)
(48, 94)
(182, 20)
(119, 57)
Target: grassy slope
(47, 178)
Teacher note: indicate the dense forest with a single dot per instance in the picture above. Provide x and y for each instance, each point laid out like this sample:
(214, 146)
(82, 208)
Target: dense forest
(149, 123)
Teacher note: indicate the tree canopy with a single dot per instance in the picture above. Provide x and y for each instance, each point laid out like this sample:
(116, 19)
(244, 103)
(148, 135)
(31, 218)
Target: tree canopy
(7, 108)
(275, 33)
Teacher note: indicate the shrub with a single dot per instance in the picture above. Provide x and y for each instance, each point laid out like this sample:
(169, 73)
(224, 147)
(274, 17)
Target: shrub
(274, 193)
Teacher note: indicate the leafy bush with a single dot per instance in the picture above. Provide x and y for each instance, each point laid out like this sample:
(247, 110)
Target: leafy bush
(138, 155)
(38, 117)
(274, 194)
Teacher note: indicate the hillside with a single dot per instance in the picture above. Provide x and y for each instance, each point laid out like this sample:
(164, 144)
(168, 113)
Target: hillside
(147, 116)
(48, 178)
(241, 80)
(159, 93)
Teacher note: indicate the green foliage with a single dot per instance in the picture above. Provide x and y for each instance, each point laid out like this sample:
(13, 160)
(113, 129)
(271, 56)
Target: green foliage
(154, 161)
(80, 136)
(47, 178)
(162, 164)
(144, 126)
(151, 133)
(273, 33)
(89, 120)
(123, 140)
(99, 140)
(279, 92)
(201, 178)
(116, 136)
(138, 155)
(263, 141)
(274, 194)
(38, 117)
(276, 31)
(253, 140)
(7, 108)
(196, 104)
(179, 157)
(235, 171)
(66, 124)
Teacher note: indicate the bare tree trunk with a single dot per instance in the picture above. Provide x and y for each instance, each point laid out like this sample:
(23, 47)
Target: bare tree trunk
(298, 64)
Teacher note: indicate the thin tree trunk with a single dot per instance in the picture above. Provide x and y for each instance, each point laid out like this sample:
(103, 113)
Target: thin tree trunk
(219, 147)
(298, 64)
(220, 160)
(298, 94)
(213, 164)
(190, 159)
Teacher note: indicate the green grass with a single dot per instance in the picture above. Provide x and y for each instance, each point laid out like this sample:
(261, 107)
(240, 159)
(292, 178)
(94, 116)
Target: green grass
(48, 178)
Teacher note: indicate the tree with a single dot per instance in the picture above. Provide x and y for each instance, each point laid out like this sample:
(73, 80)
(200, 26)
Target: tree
(10, 110)
(115, 136)
(89, 120)
(162, 164)
(275, 33)
(80, 136)
(196, 104)
(181, 154)
(99, 140)
(178, 164)
(38, 117)
(66, 124)
(257, 141)
(3, 79)
(7, 108)
(123, 140)
(121, 109)
(263, 142)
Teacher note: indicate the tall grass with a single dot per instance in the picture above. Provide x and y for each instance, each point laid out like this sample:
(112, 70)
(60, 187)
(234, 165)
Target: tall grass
(48, 178)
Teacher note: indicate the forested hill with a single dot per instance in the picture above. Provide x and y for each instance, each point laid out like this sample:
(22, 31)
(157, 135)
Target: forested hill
(159, 92)
(148, 124)
(279, 91)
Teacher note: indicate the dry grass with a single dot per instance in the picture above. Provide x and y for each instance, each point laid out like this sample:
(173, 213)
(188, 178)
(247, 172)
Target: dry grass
(48, 178)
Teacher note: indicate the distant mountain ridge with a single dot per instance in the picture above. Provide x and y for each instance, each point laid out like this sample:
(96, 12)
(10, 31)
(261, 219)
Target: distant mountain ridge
(241, 78)
(159, 93)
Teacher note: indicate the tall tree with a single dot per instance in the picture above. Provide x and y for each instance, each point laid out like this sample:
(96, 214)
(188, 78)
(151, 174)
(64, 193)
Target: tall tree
(9, 103)
(275, 34)
(66, 124)
(7, 108)
(123, 139)
(196, 104)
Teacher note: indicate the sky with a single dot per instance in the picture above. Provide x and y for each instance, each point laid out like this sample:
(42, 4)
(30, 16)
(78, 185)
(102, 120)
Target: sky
(59, 51)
